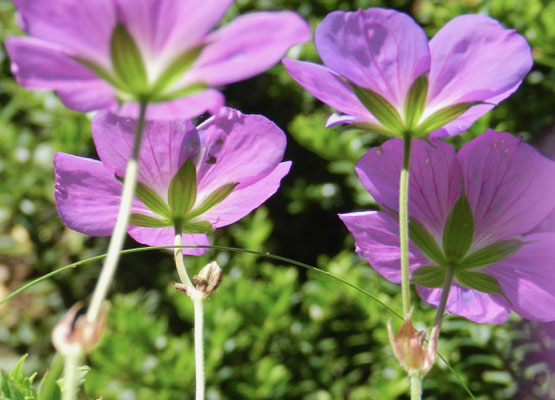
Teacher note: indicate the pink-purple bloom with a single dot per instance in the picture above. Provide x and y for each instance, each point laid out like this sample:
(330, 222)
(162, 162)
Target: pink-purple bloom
(98, 53)
(381, 72)
(196, 178)
(496, 190)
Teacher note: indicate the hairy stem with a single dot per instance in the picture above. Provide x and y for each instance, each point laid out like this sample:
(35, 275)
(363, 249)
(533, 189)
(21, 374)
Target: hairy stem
(122, 221)
(178, 256)
(70, 389)
(198, 304)
(415, 387)
(404, 224)
(449, 275)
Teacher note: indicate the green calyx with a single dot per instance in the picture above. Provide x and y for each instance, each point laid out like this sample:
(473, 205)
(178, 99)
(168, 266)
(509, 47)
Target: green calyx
(129, 75)
(454, 252)
(180, 209)
(409, 121)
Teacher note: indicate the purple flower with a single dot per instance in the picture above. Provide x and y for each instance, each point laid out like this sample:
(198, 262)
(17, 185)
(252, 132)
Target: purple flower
(199, 178)
(381, 71)
(473, 210)
(97, 53)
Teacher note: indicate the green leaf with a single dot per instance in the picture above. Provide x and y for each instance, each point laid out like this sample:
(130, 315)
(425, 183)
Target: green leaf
(49, 389)
(176, 69)
(148, 222)
(215, 198)
(127, 61)
(8, 388)
(381, 109)
(442, 117)
(197, 227)
(425, 242)
(478, 280)
(491, 254)
(432, 276)
(458, 231)
(183, 189)
(152, 200)
(416, 101)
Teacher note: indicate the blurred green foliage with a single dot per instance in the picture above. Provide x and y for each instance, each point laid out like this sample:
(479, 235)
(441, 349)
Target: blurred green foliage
(272, 331)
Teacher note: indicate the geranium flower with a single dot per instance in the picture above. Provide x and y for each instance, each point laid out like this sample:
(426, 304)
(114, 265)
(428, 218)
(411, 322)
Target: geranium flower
(97, 53)
(472, 211)
(196, 178)
(383, 74)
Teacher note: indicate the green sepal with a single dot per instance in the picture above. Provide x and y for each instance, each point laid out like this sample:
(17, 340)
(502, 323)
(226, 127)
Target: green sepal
(381, 109)
(215, 198)
(371, 128)
(183, 92)
(425, 241)
(127, 61)
(443, 117)
(478, 281)
(175, 70)
(182, 192)
(148, 222)
(458, 231)
(416, 101)
(491, 254)
(152, 200)
(431, 276)
(196, 227)
(102, 73)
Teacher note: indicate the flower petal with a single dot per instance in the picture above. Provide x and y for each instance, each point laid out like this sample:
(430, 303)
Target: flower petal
(475, 59)
(83, 28)
(165, 147)
(469, 303)
(241, 202)
(378, 49)
(509, 186)
(248, 46)
(328, 87)
(87, 195)
(237, 148)
(434, 183)
(165, 237)
(88, 96)
(528, 277)
(376, 235)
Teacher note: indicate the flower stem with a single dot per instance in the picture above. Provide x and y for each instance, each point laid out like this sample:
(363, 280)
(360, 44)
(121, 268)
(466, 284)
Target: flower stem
(178, 256)
(198, 304)
(404, 224)
(415, 387)
(120, 229)
(449, 275)
(71, 362)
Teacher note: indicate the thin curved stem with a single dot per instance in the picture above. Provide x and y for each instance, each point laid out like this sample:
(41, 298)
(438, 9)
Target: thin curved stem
(198, 305)
(404, 224)
(449, 275)
(122, 221)
(178, 256)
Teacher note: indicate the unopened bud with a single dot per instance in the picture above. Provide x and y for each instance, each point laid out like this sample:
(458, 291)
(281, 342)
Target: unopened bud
(208, 279)
(74, 334)
(409, 348)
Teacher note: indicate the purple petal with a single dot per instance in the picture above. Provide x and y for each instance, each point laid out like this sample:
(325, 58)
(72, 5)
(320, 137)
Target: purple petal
(528, 277)
(376, 235)
(248, 46)
(165, 237)
(83, 28)
(237, 148)
(475, 59)
(336, 119)
(88, 96)
(209, 100)
(382, 50)
(509, 186)
(165, 147)
(87, 195)
(241, 202)
(329, 88)
(434, 182)
(469, 303)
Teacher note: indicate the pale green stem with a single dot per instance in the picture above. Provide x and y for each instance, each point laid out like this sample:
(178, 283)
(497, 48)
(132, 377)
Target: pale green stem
(198, 305)
(120, 229)
(449, 275)
(415, 387)
(404, 224)
(71, 363)
(178, 256)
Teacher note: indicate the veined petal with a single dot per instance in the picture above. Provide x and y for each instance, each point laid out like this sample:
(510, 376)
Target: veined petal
(87, 195)
(475, 59)
(165, 237)
(377, 240)
(165, 147)
(509, 186)
(237, 148)
(242, 201)
(434, 183)
(87, 96)
(528, 277)
(469, 303)
(249, 45)
(378, 49)
(82, 27)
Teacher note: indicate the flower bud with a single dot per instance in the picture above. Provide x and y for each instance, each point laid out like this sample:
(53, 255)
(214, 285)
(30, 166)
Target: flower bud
(208, 279)
(409, 349)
